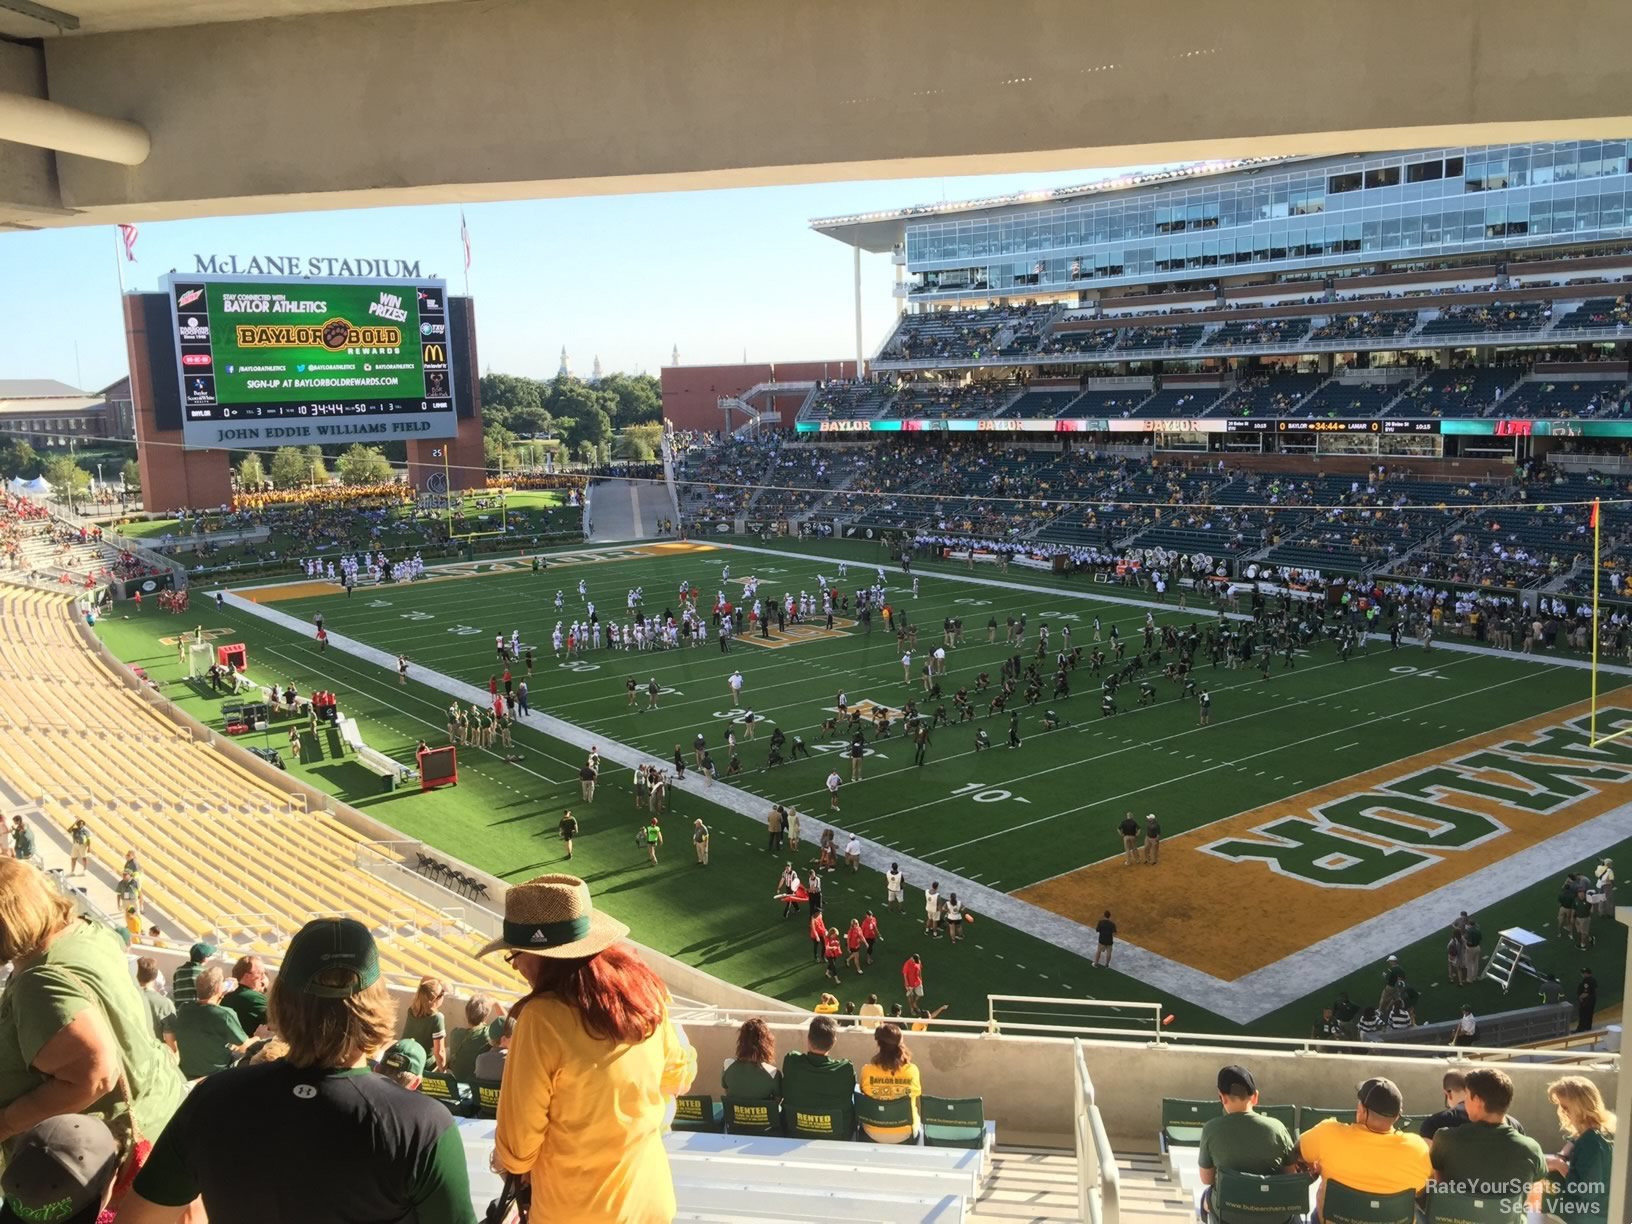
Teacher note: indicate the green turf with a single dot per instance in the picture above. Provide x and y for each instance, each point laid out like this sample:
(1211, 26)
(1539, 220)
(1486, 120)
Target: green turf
(1066, 789)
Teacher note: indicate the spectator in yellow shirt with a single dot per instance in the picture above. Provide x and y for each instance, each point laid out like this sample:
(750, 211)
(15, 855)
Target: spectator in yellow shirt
(1368, 1154)
(888, 1076)
(594, 1065)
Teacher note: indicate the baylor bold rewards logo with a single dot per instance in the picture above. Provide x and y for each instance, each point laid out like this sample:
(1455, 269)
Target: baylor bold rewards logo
(1245, 892)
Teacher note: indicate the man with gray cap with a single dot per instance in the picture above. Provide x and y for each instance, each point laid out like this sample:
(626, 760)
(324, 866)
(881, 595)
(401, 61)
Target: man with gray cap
(1242, 1140)
(1368, 1154)
(61, 1170)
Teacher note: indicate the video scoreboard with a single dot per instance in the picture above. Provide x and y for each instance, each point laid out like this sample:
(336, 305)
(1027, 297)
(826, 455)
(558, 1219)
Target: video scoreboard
(269, 362)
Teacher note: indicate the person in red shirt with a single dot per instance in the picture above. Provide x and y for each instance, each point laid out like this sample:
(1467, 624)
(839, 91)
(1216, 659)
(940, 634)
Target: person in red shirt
(854, 940)
(869, 932)
(818, 934)
(912, 977)
(492, 686)
(835, 953)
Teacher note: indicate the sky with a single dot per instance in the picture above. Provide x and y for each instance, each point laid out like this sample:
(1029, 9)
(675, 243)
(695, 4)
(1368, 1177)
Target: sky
(628, 278)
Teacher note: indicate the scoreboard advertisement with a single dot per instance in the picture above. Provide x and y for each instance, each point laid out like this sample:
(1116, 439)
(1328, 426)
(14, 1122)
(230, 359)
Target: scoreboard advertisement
(269, 362)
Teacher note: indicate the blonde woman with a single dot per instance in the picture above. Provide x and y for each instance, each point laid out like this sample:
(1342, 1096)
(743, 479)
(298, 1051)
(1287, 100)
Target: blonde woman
(75, 1035)
(1581, 1195)
(425, 1022)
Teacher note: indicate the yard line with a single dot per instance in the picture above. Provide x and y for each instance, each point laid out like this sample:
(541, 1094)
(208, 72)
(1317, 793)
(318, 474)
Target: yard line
(875, 820)
(1346, 747)
(1194, 774)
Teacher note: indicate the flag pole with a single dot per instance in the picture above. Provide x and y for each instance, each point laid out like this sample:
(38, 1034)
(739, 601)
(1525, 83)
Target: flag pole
(119, 256)
(1597, 571)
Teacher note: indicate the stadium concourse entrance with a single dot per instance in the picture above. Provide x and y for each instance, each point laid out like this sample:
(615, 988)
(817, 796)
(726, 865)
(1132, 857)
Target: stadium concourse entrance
(621, 510)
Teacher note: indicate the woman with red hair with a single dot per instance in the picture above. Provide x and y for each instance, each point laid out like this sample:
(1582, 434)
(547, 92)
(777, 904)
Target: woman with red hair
(593, 1064)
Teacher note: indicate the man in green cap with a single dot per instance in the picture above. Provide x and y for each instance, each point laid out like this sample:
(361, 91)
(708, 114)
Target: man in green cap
(404, 1063)
(362, 1148)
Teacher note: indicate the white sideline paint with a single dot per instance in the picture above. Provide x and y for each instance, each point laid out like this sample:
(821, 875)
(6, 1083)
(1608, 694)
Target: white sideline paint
(1241, 1001)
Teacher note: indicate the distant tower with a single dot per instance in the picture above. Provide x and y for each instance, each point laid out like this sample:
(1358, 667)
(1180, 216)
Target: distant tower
(595, 370)
(674, 357)
(566, 369)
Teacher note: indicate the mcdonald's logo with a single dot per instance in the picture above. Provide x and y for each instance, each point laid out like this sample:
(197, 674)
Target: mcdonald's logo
(435, 354)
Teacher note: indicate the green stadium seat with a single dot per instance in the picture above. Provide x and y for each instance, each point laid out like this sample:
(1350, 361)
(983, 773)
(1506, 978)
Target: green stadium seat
(1252, 1198)
(953, 1121)
(694, 1112)
(821, 1116)
(870, 1111)
(753, 1117)
(440, 1086)
(486, 1095)
(1286, 1115)
(1473, 1209)
(1310, 1116)
(1182, 1120)
(1341, 1204)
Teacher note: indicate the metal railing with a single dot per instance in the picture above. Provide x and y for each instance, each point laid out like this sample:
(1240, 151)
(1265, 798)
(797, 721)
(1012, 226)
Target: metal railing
(1099, 1184)
(1038, 1014)
(1158, 1037)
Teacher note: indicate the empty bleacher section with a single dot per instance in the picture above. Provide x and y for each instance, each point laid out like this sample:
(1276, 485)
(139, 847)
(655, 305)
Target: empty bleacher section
(1457, 393)
(226, 854)
(1137, 339)
(1267, 394)
(1337, 399)
(1042, 402)
(1557, 397)
(847, 401)
(1120, 402)
(968, 335)
(1494, 319)
(797, 480)
(716, 483)
(1079, 340)
(942, 401)
(1246, 333)
(1366, 326)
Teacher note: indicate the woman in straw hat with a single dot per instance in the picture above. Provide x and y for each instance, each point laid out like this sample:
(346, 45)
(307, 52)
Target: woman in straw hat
(593, 1063)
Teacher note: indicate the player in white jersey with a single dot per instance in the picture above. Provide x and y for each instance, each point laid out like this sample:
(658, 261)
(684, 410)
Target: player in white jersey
(558, 601)
(583, 589)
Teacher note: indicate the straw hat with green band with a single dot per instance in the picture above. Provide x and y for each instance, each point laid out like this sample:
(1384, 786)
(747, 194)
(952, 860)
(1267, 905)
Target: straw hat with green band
(552, 915)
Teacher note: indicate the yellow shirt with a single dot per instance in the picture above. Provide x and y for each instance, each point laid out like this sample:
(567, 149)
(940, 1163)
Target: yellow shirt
(585, 1117)
(884, 1085)
(872, 1014)
(1366, 1161)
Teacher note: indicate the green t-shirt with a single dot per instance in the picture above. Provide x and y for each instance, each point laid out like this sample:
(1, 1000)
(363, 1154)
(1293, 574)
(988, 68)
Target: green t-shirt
(751, 1081)
(1472, 935)
(462, 1062)
(44, 996)
(426, 1029)
(1246, 1142)
(160, 1008)
(1486, 1159)
(22, 842)
(1583, 1198)
(248, 1005)
(332, 1126)
(203, 1031)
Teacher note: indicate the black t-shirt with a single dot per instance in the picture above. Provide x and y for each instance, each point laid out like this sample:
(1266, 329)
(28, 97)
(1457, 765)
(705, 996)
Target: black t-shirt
(857, 749)
(1129, 828)
(364, 1148)
(1106, 929)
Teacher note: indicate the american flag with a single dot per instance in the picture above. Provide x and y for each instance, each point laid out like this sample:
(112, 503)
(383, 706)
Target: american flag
(464, 237)
(127, 235)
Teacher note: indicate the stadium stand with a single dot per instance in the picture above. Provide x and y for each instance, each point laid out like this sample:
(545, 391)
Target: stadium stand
(1544, 397)
(1495, 318)
(1249, 332)
(1456, 393)
(208, 828)
(1338, 399)
(1267, 394)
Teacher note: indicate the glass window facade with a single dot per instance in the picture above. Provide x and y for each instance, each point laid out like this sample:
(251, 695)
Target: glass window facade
(1400, 206)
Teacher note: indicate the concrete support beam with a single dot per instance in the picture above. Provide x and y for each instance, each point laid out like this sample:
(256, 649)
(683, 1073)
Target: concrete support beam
(50, 125)
(529, 98)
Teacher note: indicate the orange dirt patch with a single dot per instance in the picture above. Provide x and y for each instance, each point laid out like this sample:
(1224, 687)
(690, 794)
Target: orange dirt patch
(292, 590)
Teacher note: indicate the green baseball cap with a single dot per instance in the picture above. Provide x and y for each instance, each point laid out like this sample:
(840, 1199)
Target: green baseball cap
(406, 1055)
(327, 944)
(201, 952)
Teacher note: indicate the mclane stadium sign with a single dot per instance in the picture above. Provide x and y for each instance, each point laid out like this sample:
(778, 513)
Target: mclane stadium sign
(305, 265)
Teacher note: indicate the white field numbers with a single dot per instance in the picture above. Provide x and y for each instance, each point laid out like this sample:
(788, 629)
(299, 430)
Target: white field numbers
(981, 793)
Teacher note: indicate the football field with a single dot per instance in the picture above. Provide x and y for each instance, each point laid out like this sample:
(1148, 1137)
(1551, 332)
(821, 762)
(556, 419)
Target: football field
(1328, 815)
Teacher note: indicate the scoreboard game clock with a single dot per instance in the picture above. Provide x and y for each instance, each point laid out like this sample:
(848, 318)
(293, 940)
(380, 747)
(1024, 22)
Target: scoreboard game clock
(272, 362)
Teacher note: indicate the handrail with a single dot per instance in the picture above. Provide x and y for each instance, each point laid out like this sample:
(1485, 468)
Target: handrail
(996, 1025)
(1168, 1039)
(1099, 1184)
